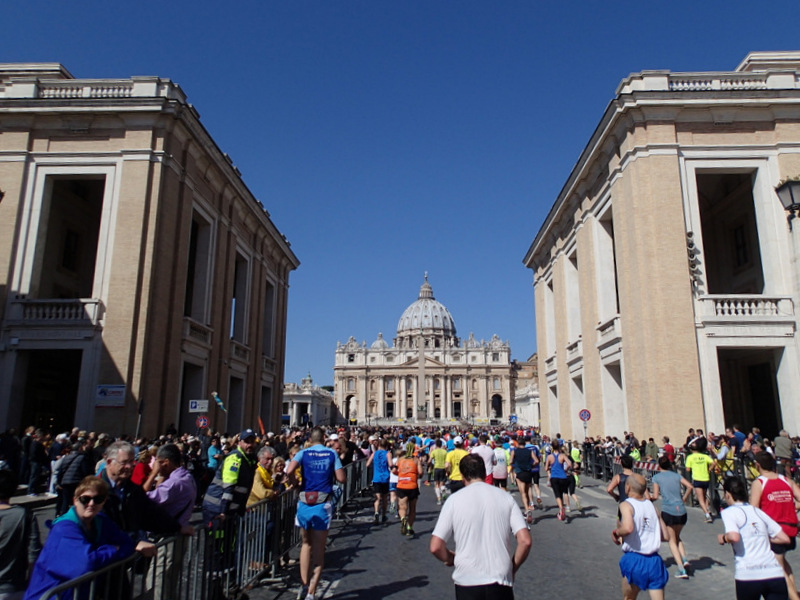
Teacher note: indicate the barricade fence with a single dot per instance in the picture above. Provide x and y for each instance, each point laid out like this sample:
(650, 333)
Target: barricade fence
(601, 465)
(219, 560)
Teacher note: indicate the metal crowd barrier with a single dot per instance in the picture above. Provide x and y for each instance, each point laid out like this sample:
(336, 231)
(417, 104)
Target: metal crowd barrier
(603, 466)
(220, 560)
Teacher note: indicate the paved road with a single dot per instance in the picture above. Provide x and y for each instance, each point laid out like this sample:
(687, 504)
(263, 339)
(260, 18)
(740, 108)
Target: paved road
(569, 560)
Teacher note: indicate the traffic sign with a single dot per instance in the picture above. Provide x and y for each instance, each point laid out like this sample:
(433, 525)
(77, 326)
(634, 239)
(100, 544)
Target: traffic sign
(201, 422)
(585, 415)
(200, 406)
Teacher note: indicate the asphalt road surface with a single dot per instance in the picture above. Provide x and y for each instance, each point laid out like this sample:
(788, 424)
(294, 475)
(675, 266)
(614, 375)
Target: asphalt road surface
(573, 559)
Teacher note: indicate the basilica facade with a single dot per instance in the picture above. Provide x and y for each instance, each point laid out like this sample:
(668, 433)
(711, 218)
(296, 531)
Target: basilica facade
(426, 374)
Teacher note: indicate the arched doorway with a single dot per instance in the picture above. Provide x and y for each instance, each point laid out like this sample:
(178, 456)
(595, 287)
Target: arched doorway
(497, 407)
(350, 404)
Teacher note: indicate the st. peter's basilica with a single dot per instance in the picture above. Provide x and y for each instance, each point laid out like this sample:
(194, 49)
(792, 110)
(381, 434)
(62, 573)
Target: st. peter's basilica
(472, 381)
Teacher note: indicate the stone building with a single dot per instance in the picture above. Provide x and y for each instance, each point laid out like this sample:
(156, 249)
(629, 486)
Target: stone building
(526, 392)
(137, 271)
(665, 275)
(308, 404)
(470, 381)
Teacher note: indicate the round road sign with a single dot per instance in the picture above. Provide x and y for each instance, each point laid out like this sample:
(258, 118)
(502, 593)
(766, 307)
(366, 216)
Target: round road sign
(201, 421)
(585, 415)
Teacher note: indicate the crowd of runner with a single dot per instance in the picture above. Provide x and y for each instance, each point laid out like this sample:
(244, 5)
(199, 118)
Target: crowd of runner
(404, 460)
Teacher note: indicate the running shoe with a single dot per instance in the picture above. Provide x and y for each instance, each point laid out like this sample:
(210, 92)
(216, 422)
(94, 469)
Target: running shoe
(529, 517)
(377, 520)
(310, 597)
(301, 595)
(682, 574)
(560, 515)
(564, 516)
(578, 505)
(403, 525)
(708, 518)
(409, 532)
(685, 562)
(539, 501)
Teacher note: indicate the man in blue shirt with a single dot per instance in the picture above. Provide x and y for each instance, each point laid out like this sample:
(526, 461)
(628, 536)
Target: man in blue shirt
(320, 466)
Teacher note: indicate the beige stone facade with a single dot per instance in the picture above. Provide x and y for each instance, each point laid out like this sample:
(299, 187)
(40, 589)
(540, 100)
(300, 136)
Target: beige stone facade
(665, 275)
(138, 271)
(381, 383)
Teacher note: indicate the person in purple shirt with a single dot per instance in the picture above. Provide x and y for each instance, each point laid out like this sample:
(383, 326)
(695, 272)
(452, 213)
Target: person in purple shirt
(173, 487)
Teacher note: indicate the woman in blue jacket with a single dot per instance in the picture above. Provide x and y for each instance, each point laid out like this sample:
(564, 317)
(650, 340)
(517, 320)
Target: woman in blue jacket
(82, 540)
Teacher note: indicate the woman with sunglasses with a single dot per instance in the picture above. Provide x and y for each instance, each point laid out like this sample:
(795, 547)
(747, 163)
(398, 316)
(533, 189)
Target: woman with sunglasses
(81, 540)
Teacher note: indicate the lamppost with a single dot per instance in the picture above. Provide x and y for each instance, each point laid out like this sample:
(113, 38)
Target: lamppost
(789, 194)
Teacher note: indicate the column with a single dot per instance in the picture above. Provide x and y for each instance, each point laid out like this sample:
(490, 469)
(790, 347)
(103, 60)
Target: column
(484, 389)
(401, 398)
(414, 398)
(445, 395)
(381, 410)
(362, 402)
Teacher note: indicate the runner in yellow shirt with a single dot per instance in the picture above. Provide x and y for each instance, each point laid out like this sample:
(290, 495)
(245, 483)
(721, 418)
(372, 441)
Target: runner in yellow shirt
(439, 459)
(452, 462)
(700, 464)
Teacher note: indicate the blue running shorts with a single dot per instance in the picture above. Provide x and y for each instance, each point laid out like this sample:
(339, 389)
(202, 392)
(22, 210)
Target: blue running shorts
(315, 516)
(645, 572)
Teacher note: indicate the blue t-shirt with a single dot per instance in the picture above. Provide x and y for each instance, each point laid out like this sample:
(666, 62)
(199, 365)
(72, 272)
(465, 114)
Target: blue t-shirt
(669, 487)
(213, 463)
(318, 465)
(380, 467)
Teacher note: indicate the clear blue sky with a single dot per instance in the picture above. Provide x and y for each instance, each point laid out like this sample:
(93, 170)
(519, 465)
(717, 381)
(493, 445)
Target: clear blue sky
(387, 139)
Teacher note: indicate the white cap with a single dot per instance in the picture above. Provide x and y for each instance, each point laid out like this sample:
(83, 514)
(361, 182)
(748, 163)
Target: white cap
(333, 436)
(458, 440)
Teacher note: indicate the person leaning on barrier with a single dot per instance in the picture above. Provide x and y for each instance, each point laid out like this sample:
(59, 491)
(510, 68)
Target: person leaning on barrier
(128, 505)
(172, 487)
(81, 541)
(228, 493)
(263, 482)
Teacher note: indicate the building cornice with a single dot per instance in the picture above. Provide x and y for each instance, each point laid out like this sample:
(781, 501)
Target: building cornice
(662, 95)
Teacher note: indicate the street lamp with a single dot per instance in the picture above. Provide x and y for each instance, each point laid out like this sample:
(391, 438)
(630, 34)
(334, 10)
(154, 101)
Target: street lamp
(789, 193)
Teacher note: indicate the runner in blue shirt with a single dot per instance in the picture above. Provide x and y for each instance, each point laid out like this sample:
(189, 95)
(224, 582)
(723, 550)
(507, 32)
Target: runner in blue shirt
(320, 467)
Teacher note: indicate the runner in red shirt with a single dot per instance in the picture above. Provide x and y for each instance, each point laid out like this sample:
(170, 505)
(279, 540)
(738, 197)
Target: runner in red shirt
(777, 496)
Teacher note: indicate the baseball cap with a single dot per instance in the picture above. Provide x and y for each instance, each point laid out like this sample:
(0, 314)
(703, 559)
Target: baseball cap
(333, 436)
(247, 433)
(458, 440)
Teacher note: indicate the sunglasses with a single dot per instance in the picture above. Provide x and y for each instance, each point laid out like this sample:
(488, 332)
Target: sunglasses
(85, 500)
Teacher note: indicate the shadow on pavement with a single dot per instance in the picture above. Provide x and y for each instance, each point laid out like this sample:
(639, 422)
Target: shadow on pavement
(395, 588)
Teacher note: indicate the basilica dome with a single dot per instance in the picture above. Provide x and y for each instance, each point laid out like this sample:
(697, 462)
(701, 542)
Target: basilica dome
(426, 315)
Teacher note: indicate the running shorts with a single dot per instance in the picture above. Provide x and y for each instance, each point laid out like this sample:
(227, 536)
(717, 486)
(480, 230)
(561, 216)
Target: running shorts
(525, 476)
(672, 520)
(784, 548)
(560, 486)
(700, 484)
(380, 487)
(647, 572)
(500, 482)
(411, 494)
(439, 475)
(314, 516)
